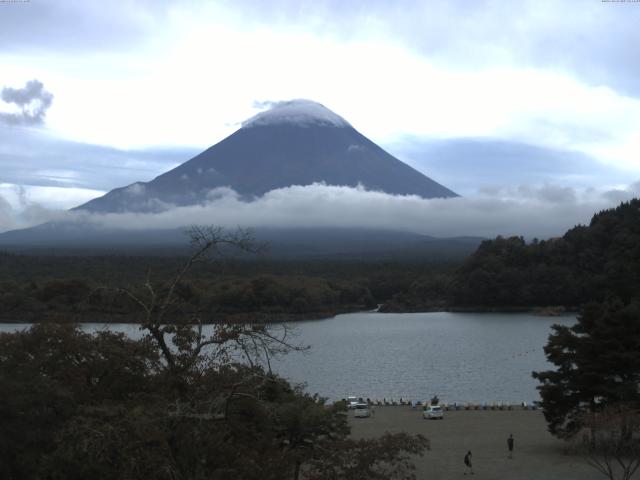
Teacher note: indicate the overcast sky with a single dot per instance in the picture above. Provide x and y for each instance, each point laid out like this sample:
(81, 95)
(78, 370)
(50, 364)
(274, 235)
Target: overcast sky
(508, 103)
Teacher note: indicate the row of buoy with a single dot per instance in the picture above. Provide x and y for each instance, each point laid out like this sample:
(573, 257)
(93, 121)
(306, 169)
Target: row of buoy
(450, 406)
(522, 354)
(490, 406)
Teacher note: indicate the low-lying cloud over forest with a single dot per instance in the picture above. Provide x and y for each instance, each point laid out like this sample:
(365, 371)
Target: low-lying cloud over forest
(542, 211)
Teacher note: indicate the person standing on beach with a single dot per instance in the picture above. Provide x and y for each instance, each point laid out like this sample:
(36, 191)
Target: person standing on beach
(510, 445)
(468, 467)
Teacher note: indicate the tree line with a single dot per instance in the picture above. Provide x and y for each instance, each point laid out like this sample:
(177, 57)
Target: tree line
(215, 300)
(36, 287)
(592, 396)
(587, 263)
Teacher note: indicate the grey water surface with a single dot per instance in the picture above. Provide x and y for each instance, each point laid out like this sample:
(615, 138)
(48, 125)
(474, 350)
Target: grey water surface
(461, 357)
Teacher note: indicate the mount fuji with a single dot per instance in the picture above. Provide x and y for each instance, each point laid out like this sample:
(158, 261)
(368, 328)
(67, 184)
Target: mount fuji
(297, 142)
(294, 143)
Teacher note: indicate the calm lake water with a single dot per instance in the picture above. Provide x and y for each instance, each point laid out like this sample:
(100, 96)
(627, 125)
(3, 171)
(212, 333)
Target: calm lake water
(462, 357)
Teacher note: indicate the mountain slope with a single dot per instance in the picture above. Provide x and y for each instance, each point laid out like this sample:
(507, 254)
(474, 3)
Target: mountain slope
(282, 243)
(294, 143)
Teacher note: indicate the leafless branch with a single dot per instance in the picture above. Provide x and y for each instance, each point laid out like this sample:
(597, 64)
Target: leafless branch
(610, 442)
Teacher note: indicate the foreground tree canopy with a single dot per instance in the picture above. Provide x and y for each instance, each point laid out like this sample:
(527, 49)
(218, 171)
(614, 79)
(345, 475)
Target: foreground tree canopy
(183, 402)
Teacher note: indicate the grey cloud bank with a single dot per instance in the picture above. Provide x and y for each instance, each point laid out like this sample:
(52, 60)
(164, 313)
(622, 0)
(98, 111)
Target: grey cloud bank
(76, 25)
(595, 40)
(33, 157)
(468, 165)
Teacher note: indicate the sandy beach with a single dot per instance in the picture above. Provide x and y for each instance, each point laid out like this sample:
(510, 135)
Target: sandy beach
(537, 454)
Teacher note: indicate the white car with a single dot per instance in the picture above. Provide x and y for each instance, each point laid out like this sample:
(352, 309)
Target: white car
(433, 411)
(362, 410)
(352, 402)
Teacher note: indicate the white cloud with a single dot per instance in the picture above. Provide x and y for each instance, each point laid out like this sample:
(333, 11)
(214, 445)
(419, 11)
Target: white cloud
(31, 214)
(355, 148)
(56, 198)
(533, 212)
(299, 112)
(136, 188)
(6, 215)
(23, 206)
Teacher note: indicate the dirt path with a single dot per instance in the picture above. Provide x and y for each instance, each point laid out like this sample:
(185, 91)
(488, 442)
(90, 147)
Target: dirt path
(537, 455)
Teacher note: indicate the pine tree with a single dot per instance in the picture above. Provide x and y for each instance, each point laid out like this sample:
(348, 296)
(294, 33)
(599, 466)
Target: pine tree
(598, 365)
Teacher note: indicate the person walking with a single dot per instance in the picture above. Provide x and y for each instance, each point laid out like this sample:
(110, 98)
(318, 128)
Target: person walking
(510, 445)
(468, 467)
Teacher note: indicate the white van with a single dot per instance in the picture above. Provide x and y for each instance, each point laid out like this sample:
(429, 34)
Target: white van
(352, 402)
(362, 410)
(433, 411)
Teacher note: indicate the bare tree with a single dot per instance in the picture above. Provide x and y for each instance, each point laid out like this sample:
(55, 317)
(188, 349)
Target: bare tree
(181, 338)
(610, 441)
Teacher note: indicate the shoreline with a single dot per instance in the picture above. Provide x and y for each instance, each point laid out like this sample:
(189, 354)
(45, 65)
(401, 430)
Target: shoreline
(543, 311)
(279, 317)
(213, 319)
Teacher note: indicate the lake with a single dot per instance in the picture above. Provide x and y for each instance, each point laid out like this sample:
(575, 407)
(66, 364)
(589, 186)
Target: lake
(461, 357)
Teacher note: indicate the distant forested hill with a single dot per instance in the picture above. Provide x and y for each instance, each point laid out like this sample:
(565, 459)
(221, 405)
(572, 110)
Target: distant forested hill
(72, 287)
(586, 263)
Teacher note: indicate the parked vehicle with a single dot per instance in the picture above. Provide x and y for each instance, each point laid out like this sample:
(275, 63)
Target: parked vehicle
(352, 402)
(433, 412)
(362, 410)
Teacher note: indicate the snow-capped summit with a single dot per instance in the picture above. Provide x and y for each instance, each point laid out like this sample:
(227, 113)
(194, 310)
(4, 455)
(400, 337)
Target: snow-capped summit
(300, 112)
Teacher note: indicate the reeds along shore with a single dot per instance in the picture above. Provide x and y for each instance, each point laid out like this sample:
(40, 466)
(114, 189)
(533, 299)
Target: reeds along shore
(448, 406)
